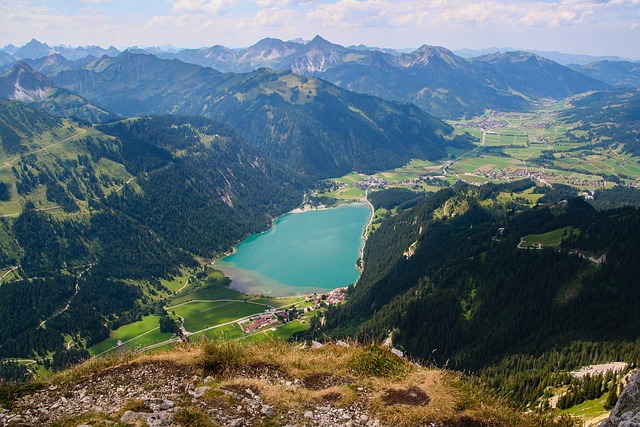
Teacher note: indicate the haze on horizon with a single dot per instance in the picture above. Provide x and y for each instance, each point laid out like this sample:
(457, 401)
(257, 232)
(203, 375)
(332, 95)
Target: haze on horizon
(592, 27)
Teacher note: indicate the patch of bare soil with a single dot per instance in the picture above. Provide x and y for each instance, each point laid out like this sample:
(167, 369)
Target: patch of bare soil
(268, 371)
(240, 389)
(145, 373)
(331, 397)
(412, 396)
(324, 380)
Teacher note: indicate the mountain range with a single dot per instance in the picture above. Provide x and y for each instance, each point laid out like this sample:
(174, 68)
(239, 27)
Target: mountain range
(306, 123)
(433, 78)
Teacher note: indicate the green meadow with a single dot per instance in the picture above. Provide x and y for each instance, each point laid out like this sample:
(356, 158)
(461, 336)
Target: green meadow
(201, 315)
(135, 335)
(551, 238)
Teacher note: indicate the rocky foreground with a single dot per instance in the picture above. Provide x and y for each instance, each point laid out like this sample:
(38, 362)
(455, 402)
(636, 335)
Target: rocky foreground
(226, 384)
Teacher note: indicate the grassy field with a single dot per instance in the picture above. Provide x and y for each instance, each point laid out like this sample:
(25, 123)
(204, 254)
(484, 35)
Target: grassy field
(201, 315)
(227, 332)
(552, 238)
(589, 409)
(132, 335)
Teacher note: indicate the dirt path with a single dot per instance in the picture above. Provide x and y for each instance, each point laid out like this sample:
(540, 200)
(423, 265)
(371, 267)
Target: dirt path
(9, 162)
(66, 307)
(453, 162)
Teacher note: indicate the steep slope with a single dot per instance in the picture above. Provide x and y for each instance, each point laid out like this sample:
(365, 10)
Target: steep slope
(306, 123)
(228, 384)
(535, 76)
(54, 64)
(19, 124)
(22, 83)
(434, 78)
(614, 73)
(609, 117)
(467, 294)
(6, 61)
(95, 217)
(451, 86)
(34, 49)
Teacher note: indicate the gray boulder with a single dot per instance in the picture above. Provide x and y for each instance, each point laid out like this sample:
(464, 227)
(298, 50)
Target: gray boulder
(627, 410)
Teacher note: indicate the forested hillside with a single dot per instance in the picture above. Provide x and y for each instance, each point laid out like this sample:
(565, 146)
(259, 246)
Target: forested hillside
(105, 213)
(452, 281)
(609, 117)
(305, 123)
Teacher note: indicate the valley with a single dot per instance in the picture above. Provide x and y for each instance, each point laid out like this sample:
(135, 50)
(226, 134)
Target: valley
(477, 215)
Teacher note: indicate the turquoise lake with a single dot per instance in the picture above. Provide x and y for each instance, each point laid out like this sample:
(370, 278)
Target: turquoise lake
(306, 252)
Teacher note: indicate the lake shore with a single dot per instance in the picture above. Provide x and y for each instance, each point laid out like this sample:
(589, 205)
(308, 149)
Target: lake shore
(313, 256)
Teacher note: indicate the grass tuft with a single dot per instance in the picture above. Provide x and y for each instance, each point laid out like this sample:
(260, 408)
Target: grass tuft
(190, 417)
(222, 357)
(377, 361)
(89, 418)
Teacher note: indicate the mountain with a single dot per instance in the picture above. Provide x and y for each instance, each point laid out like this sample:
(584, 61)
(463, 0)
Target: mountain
(434, 78)
(306, 123)
(22, 83)
(81, 52)
(54, 64)
(559, 57)
(101, 214)
(231, 384)
(35, 50)
(6, 61)
(608, 118)
(449, 281)
(10, 49)
(536, 77)
(32, 50)
(20, 124)
(614, 73)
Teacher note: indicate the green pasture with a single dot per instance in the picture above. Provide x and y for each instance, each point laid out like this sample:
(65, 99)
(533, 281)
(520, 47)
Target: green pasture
(412, 170)
(351, 178)
(551, 238)
(278, 332)
(176, 283)
(281, 302)
(227, 332)
(484, 162)
(531, 198)
(589, 409)
(132, 335)
(348, 193)
(201, 315)
(532, 151)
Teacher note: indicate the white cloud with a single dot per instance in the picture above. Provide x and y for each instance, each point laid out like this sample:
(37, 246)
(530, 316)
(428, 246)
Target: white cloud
(283, 3)
(356, 13)
(202, 6)
(554, 18)
(275, 17)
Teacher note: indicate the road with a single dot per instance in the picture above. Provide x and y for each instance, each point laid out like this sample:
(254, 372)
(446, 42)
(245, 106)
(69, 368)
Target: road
(66, 307)
(453, 162)
(174, 340)
(9, 271)
(8, 163)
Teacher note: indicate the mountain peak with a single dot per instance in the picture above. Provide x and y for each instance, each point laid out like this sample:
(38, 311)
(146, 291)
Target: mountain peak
(319, 41)
(35, 43)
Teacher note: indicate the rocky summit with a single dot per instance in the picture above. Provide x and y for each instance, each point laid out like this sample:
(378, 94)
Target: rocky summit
(267, 384)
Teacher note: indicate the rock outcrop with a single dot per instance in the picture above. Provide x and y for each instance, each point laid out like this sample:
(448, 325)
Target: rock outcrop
(627, 410)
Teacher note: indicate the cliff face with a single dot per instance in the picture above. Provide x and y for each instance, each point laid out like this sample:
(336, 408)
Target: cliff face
(627, 410)
(227, 384)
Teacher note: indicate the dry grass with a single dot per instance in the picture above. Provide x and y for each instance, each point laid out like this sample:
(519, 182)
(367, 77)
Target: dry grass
(293, 379)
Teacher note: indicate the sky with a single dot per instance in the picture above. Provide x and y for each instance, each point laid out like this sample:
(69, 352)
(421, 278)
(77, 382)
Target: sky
(593, 27)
